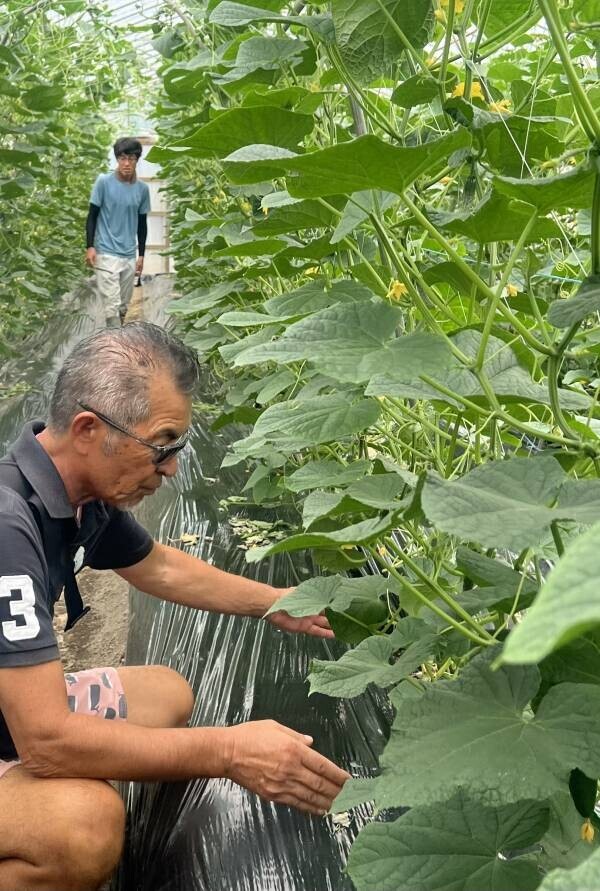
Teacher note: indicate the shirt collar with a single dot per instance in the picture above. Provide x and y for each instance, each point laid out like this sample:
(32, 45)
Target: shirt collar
(40, 471)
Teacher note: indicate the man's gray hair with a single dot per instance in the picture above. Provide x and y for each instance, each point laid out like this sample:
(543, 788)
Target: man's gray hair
(111, 372)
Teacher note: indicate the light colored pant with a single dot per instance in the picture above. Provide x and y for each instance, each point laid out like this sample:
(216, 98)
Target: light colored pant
(115, 277)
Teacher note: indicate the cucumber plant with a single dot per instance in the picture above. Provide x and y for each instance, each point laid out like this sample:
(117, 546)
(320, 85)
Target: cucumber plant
(386, 227)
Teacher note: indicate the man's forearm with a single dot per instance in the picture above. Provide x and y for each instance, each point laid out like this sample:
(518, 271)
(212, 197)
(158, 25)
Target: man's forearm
(173, 575)
(142, 233)
(90, 225)
(92, 748)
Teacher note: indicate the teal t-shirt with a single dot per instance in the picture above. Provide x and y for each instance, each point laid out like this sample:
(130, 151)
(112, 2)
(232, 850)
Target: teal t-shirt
(120, 204)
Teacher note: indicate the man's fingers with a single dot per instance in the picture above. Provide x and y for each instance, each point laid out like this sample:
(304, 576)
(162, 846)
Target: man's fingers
(301, 737)
(323, 767)
(317, 631)
(306, 799)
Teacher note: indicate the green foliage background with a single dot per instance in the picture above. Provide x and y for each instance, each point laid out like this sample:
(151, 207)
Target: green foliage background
(60, 66)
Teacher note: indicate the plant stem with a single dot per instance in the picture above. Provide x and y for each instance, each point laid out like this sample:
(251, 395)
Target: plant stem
(472, 276)
(583, 107)
(435, 588)
(560, 548)
(495, 300)
(425, 601)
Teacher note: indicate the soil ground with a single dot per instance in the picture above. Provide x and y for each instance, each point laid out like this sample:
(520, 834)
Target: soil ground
(99, 639)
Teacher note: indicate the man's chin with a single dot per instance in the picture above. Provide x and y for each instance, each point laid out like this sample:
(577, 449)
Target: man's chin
(130, 501)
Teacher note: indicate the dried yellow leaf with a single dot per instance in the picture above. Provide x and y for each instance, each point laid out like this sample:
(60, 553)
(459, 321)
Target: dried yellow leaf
(587, 832)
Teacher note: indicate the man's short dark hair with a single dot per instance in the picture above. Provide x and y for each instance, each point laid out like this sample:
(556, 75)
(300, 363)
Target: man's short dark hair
(127, 145)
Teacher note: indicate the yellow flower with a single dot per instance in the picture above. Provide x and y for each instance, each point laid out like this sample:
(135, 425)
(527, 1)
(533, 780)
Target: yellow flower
(313, 270)
(587, 832)
(446, 180)
(397, 291)
(476, 91)
(382, 551)
(459, 5)
(440, 15)
(265, 210)
(246, 207)
(511, 290)
(501, 107)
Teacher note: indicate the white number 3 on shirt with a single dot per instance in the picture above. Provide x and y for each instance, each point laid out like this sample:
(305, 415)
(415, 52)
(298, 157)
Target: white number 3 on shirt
(22, 602)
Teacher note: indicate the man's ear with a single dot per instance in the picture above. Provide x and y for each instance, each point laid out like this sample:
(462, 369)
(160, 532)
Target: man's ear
(86, 432)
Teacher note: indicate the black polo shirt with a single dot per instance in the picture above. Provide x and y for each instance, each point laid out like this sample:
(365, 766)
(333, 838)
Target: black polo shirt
(41, 543)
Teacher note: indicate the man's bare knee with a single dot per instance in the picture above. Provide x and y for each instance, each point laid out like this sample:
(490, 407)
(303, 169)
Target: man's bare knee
(74, 834)
(157, 696)
(181, 695)
(90, 836)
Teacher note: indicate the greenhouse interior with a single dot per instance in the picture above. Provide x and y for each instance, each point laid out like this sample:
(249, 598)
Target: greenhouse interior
(327, 274)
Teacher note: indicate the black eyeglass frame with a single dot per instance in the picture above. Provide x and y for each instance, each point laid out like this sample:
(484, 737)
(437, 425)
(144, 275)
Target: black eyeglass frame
(163, 453)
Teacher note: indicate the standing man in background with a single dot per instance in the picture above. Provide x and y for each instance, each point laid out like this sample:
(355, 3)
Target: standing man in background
(119, 205)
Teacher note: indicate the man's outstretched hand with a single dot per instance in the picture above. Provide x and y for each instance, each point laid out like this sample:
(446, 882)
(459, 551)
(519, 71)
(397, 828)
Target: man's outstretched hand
(278, 764)
(316, 625)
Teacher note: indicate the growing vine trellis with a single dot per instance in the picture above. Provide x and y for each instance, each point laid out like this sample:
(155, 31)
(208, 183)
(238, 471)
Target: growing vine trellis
(386, 224)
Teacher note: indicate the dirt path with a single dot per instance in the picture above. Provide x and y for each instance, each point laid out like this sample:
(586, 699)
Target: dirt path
(99, 638)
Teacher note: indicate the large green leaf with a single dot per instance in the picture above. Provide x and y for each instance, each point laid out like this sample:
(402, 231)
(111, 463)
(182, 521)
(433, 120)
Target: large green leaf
(363, 163)
(510, 503)
(499, 584)
(260, 54)
(564, 313)
(577, 661)
(44, 97)
(241, 126)
(585, 877)
(368, 663)
(312, 297)
(358, 533)
(295, 216)
(496, 218)
(336, 592)
(566, 606)
(366, 32)
(513, 144)
(476, 734)
(235, 15)
(572, 189)
(503, 13)
(456, 846)
(347, 342)
(299, 423)
(508, 380)
(316, 474)
(416, 90)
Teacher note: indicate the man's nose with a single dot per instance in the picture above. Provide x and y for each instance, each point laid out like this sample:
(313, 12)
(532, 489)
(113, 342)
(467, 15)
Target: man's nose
(168, 468)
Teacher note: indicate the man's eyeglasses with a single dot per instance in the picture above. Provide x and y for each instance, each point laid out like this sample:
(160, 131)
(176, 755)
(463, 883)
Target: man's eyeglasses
(162, 454)
(133, 158)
